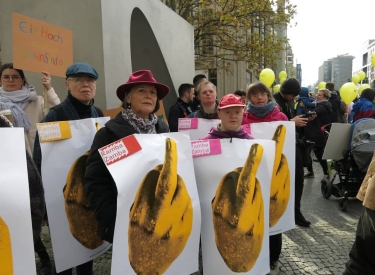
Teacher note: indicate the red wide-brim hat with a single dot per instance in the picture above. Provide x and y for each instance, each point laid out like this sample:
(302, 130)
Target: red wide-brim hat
(142, 77)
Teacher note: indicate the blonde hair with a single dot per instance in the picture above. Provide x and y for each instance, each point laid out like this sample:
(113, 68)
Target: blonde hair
(204, 83)
(326, 93)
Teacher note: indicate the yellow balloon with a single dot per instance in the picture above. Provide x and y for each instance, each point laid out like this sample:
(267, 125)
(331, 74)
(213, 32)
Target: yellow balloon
(363, 87)
(355, 79)
(322, 85)
(362, 75)
(282, 74)
(282, 80)
(267, 76)
(348, 92)
(276, 88)
(373, 59)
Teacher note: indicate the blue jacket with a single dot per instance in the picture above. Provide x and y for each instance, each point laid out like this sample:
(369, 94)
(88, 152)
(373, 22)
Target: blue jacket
(304, 97)
(363, 108)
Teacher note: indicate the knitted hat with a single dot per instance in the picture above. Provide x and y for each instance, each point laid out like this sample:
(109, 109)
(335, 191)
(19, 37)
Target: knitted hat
(290, 86)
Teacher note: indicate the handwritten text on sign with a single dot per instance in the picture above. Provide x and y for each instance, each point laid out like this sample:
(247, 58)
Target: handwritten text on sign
(39, 46)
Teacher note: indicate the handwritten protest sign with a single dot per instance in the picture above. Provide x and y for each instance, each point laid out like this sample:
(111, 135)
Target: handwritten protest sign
(39, 46)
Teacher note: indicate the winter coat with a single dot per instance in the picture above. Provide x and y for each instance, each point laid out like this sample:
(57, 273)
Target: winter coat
(36, 191)
(287, 107)
(180, 109)
(73, 109)
(35, 111)
(304, 97)
(336, 104)
(215, 133)
(366, 192)
(363, 108)
(313, 130)
(99, 185)
(202, 114)
(274, 115)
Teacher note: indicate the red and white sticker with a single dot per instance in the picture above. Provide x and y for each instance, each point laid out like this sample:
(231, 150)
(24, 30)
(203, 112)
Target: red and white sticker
(119, 150)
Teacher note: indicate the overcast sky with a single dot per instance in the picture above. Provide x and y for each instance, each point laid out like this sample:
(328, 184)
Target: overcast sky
(327, 28)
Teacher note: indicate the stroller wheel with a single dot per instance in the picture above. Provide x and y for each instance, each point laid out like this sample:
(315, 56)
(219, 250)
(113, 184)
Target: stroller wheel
(343, 204)
(326, 188)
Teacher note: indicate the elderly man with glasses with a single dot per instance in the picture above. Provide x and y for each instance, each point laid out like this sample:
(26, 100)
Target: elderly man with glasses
(79, 104)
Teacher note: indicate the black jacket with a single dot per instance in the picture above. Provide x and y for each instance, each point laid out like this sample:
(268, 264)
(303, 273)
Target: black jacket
(313, 130)
(99, 185)
(180, 109)
(335, 103)
(287, 107)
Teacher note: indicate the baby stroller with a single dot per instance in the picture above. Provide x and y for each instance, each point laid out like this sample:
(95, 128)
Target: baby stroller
(352, 168)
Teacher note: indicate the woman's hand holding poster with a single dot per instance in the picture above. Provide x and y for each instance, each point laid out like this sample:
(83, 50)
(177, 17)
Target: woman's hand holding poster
(73, 227)
(158, 211)
(283, 174)
(234, 187)
(16, 238)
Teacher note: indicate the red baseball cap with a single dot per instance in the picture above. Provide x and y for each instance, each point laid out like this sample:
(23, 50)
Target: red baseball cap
(230, 100)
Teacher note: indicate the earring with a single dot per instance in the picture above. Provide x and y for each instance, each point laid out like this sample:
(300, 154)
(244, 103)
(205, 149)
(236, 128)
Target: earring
(128, 105)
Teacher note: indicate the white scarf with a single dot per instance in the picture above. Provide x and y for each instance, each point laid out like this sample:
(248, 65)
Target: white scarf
(16, 101)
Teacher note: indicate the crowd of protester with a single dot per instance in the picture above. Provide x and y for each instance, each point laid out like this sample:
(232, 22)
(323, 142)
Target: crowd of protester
(140, 97)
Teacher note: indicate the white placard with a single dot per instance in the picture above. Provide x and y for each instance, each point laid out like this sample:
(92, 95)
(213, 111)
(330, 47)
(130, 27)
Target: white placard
(266, 130)
(15, 205)
(58, 158)
(157, 254)
(245, 248)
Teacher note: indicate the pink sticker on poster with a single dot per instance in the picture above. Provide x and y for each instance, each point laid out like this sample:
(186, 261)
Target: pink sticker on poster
(187, 123)
(206, 147)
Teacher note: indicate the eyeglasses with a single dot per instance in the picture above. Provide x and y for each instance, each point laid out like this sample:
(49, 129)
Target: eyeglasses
(262, 94)
(7, 78)
(82, 79)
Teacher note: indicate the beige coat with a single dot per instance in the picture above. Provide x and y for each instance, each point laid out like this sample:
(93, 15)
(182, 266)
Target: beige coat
(367, 191)
(36, 111)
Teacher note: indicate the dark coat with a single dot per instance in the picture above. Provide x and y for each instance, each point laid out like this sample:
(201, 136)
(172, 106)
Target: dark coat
(335, 103)
(37, 204)
(313, 130)
(180, 109)
(287, 107)
(99, 185)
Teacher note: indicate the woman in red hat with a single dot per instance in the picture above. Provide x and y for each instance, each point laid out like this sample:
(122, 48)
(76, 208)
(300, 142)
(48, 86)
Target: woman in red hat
(140, 97)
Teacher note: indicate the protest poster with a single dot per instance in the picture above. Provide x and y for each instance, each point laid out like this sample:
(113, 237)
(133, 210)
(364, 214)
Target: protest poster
(72, 224)
(158, 212)
(16, 233)
(233, 178)
(196, 127)
(283, 171)
(39, 46)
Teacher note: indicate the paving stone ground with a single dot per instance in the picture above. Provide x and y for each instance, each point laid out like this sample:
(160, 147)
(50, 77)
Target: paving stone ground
(323, 248)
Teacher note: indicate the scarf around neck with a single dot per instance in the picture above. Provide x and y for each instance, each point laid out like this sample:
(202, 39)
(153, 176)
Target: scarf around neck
(142, 126)
(260, 111)
(16, 102)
